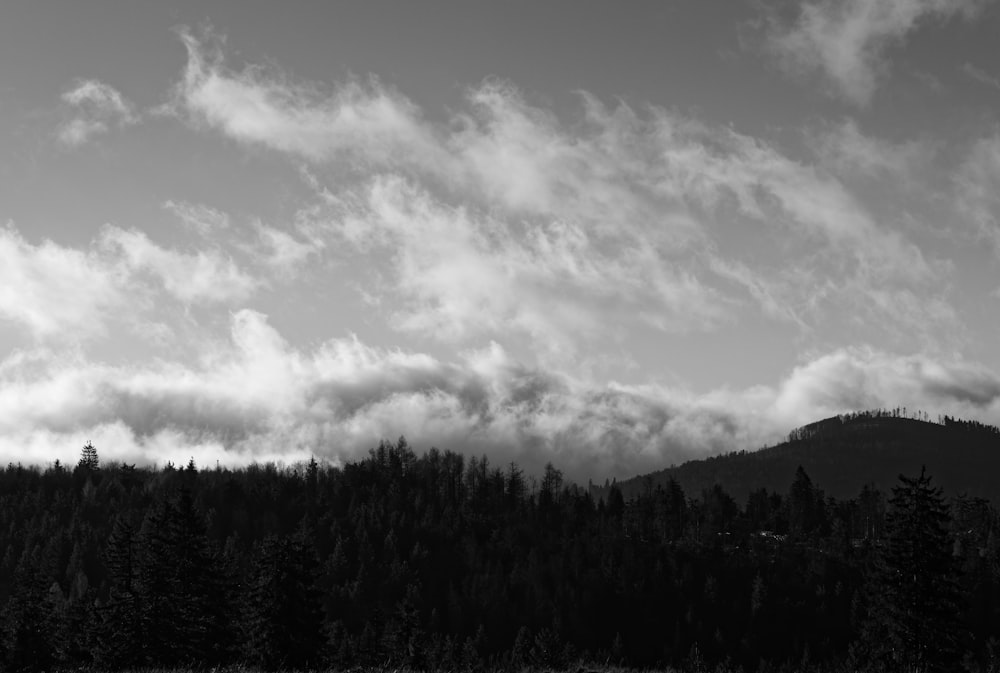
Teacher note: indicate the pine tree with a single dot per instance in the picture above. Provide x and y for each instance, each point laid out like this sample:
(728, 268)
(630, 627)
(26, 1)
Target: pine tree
(88, 458)
(185, 604)
(121, 629)
(199, 588)
(27, 623)
(803, 508)
(914, 623)
(284, 620)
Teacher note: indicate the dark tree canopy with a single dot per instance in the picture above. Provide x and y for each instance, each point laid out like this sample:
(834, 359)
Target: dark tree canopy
(438, 562)
(916, 615)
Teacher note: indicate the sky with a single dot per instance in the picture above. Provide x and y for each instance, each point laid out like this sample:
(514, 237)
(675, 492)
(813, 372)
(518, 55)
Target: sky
(613, 236)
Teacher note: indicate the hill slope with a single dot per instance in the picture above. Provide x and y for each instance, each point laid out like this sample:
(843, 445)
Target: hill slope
(843, 453)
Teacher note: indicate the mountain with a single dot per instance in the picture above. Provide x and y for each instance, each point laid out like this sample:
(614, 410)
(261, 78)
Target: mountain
(843, 453)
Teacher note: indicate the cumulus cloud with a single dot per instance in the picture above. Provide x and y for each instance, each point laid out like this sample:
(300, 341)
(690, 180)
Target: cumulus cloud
(201, 276)
(846, 41)
(54, 291)
(863, 378)
(98, 107)
(258, 398)
(68, 294)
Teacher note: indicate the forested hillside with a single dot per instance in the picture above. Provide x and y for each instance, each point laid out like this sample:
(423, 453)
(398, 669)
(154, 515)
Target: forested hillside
(440, 562)
(846, 452)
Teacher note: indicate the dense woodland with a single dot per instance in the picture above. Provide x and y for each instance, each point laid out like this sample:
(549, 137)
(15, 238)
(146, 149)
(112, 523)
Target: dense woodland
(443, 562)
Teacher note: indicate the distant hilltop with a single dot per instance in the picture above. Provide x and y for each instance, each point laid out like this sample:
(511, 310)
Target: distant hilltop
(843, 453)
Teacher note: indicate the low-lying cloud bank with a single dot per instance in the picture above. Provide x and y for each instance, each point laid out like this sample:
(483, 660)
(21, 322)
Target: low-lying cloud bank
(258, 399)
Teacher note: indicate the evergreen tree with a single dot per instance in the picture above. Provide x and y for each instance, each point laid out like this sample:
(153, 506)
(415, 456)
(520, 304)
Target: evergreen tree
(88, 458)
(914, 623)
(200, 595)
(284, 620)
(28, 624)
(184, 603)
(121, 629)
(802, 505)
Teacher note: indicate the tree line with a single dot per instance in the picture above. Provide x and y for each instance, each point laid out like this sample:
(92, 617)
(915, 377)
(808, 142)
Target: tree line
(438, 562)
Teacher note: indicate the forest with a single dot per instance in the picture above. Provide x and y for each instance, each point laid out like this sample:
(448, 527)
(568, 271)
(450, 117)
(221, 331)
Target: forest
(442, 562)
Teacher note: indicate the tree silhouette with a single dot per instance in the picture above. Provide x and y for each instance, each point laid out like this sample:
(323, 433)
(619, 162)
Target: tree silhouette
(88, 458)
(284, 619)
(915, 618)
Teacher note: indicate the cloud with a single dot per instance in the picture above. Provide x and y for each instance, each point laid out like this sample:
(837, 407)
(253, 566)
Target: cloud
(505, 215)
(252, 107)
(70, 295)
(980, 75)
(202, 276)
(864, 378)
(203, 219)
(98, 107)
(258, 398)
(850, 152)
(283, 252)
(978, 186)
(464, 272)
(846, 41)
(53, 291)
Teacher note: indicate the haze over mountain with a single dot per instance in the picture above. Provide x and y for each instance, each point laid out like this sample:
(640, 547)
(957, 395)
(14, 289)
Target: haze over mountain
(613, 237)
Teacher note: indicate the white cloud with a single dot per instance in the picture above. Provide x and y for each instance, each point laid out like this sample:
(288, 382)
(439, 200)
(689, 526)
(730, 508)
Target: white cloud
(70, 295)
(846, 40)
(462, 272)
(862, 378)
(98, 107)
(850, 152)
(508, 217)
(197, 216)
(53, 291)
(283, 252)
(258, 398)
(252, 107)
(201, 276)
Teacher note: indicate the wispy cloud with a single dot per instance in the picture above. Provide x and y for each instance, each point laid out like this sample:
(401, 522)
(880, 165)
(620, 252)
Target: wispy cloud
(504, 210)
(200, 276)
(252, 107)
(97, 107)
(199, 217)
(978, 186)
(282, 251)
(846, 41)
(544, 236)
(464, 272)
(980, 75)
(850, 152)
